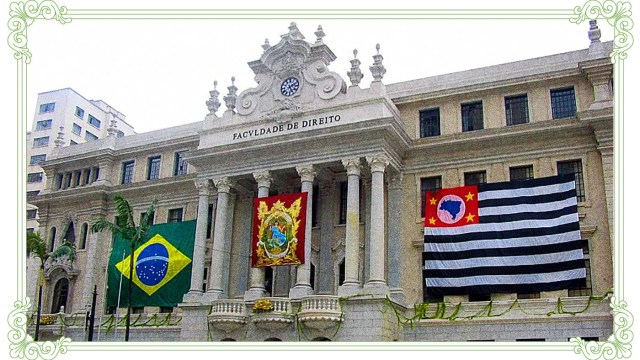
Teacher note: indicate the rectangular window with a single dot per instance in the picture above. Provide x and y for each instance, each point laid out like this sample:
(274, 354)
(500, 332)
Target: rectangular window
(475, 178)
(37, 159)
(166, 309)
(175, 215)
(77, 177)
(32, 194)
(516, 109)
(518, 173)
(574, 167)
(584, 291)
(93, 121)
(563, 103)
(430, 122)
(209, 220)
(472, 118)
(67, 180)
(89, 136)
(31, 214)
(428, 184)
(34, 177)
(344, 189)
(179, 164)
(79, 112)
(137, 309)
(44, 124)
(76, 129)
(153, 168)
(127, 172)
(151, 220)
(41, 142)
(49, 107)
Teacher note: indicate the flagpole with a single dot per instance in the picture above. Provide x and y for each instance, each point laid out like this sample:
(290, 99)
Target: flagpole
(115, 329)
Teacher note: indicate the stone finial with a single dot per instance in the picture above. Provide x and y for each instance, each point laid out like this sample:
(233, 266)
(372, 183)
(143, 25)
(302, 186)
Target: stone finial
(355, 75)
(294, 32)
(230, 99)
(59, 141)
(112, 130)
(377, 69)
(266, 45)
(596, 48)
(213, 104)
(319, 34)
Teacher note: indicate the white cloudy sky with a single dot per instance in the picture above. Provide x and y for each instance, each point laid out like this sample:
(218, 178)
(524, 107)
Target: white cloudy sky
(159, 73)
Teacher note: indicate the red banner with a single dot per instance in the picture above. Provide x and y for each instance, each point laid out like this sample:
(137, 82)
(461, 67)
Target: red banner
(279, 230)
(452, 207)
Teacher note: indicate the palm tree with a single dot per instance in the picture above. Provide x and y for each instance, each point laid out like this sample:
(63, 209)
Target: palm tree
(126, 228)
(37, 247)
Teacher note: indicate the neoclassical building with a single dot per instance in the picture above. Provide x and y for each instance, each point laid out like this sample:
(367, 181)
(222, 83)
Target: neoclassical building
(366, 155)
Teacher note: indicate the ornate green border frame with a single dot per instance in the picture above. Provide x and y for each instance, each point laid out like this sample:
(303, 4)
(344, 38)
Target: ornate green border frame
(617, 14)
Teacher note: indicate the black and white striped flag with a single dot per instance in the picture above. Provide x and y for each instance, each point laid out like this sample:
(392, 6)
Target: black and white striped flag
(511, 237)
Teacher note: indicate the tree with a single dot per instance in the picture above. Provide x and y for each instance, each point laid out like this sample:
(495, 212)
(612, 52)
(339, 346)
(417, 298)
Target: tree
(125, 227)
(37, 247)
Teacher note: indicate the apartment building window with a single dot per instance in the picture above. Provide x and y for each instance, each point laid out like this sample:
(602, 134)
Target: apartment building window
(586, 290)
(563, 103)
(31, 214)
(93, 121)
(89, 136)
(127, 172)
(41, 142)
(518, 173)
(179, 164)
(79, 112)
(430, 122)
(37, 159)
(153, 168)
(427, 184)
(34, 177)
(48, 107)
(44, 124)
(472, 118)
(516, 109)
(76, 129)
(475, 178)
(175, 215)
(574, 167)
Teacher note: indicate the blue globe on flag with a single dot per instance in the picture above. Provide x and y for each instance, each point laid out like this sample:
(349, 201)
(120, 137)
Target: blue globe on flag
(152, 264)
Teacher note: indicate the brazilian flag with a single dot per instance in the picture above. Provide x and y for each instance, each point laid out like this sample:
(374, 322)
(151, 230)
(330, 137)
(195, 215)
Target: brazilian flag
(161, 266)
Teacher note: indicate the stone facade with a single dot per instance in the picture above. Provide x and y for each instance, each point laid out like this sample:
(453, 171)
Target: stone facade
(362, 156)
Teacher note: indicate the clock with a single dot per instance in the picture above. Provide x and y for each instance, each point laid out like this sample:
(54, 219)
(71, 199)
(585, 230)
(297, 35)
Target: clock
(290, 86)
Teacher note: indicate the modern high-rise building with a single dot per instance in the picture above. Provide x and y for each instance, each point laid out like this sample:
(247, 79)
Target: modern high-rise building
(366, 154)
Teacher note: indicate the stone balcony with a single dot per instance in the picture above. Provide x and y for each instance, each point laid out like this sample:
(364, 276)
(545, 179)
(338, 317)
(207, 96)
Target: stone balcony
(320, 312)
(279, 317)
(228, 315)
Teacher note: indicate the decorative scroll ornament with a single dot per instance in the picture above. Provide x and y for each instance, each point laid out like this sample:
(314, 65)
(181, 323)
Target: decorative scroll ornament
(619, 343)
(23, 14)
(618, 15)
(328, 84)
(22, 345)
(249, 99)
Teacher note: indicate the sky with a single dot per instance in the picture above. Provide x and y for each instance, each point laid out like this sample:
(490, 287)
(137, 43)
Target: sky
(159, 73)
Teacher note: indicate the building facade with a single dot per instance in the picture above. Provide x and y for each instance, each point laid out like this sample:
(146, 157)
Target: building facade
(366, 156)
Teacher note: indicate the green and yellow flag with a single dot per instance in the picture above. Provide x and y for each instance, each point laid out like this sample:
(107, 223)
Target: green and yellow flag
(161, 267)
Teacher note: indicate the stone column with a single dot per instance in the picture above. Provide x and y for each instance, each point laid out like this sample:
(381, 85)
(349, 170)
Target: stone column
(303, 274)
(394, 240)
(220, 237)
(376, 283)
(351, 283)
(245, 241)
(366, 187)
(199, 248)
(256, 284)
(325, 263)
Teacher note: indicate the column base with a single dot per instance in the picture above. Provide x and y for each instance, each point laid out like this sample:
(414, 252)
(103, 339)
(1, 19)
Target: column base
(300, 291)
(376, 288)
(193, 297)
(209, 296)
(194, 322)
(349, 289)
(397, 295)
(255, 293)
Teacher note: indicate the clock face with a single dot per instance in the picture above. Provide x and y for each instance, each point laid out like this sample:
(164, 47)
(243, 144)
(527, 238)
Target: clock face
(289, 86)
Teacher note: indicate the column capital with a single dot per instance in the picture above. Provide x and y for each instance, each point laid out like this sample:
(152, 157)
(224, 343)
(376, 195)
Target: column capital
(378, 162)
(307, 172)
(395, 181)
(352, 165)
(223, 184)
(203, 186)
(263, 178)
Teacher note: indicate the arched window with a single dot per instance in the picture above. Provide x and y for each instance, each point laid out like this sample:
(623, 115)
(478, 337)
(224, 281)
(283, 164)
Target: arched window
(52, 238)
(70, 235)
(83, 235)
(60, 294)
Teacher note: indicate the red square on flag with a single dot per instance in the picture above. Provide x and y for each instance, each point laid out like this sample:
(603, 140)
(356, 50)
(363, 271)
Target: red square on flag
(452, 207)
